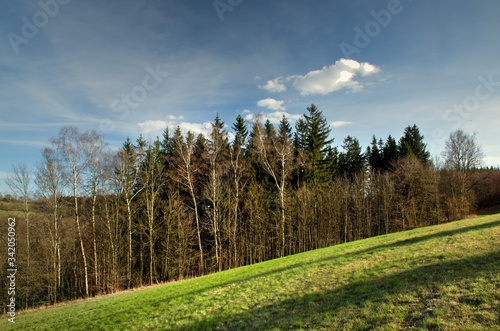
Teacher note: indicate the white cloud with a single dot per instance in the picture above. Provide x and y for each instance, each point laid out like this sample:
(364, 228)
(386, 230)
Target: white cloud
(276, 85)
(369, 69)
(492, 161)
(350, 63)
(196, 128)
(340, 75)
(173, 117)
(332, 78)
(345, 76)
(274, 117)
(271, 104)
(338, 124)
(158, 127)
(249, 117)
(152, 126)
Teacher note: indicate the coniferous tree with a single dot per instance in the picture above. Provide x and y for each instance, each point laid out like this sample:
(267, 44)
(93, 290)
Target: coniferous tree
(153, 180)
(284, 131)
(275, 154)
(333, 162)
(218, 156)
(352, 159)
(312, 132)
(185, 172)
(412, 144)
(166, 144)
(240, 133)
(234, 201)
(126, 178)
(239, 174)
(374, 155)
(389, 153)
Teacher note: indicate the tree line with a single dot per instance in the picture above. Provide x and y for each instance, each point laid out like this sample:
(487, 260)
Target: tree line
(185, 205)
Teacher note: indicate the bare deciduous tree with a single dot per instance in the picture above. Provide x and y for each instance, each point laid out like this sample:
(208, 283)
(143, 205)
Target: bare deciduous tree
(462, 154)
(126, 179)
(238, 170)
(462, 157)
(96, 177)
(76, 152)
(185, 174)
(218, 149)
(275, 153)
(49, 180)
(19, 182)
(153, 180)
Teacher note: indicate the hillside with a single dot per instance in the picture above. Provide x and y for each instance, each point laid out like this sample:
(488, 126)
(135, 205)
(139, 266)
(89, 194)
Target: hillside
(444, 277)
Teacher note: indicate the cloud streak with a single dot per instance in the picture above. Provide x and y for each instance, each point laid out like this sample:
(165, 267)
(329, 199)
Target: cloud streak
(339, 124)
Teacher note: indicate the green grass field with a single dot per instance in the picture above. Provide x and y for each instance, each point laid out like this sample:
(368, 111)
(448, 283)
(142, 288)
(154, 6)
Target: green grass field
(444, 277)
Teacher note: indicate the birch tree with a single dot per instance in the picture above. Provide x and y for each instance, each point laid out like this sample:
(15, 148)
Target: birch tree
(19, 182)
(184, 172)
(126, 179)
(76, 151)
(275, 154)
(238, 171)
(49, 180)
(218, 148)
(153, 180)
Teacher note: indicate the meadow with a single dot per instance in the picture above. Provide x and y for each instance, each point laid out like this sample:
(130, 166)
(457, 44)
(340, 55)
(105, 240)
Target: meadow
(443, 277)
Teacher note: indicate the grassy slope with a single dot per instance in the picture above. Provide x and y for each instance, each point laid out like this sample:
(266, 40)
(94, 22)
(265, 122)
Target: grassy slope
(444, 277)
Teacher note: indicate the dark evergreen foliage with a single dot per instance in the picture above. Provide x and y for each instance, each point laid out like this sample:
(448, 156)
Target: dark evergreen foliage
(313, 143)
(187, 205)
(412, 144)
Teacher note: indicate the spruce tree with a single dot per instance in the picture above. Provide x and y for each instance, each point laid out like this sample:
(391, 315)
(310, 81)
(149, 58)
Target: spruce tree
(311, 138)
(389, 153)
(412, 144)
(284, 131)
(352, 159)
(374, 155)
(240, 132)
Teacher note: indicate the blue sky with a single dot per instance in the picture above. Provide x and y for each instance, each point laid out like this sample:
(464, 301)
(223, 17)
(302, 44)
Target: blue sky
(131, 67)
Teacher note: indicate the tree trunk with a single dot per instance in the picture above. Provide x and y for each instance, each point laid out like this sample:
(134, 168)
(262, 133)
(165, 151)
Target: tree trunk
(197, 218)
(129, 230)
(94, 199)
(80, 237)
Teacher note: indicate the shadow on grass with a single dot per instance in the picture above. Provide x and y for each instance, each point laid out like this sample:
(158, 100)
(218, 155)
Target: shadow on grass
(304, 309)
(311, 310)
(313, 305)
(440, 234)
(350, 255)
